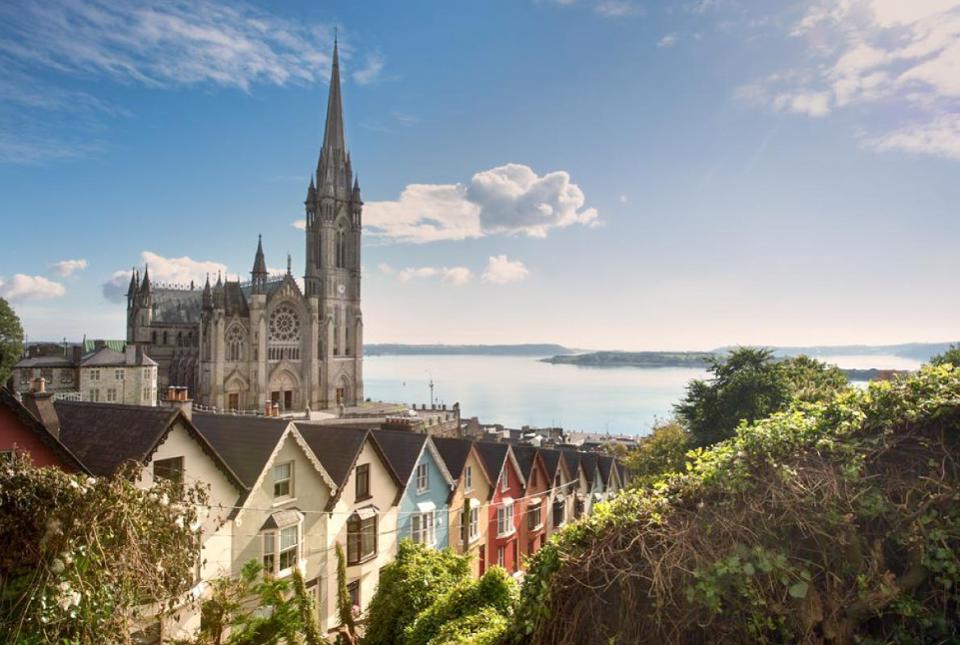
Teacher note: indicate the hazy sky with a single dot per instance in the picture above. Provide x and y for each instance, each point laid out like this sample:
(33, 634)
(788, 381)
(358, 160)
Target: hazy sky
(598, 173)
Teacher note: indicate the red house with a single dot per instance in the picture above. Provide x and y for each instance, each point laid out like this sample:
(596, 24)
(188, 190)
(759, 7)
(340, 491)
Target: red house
(505, 506)
(536, 495)
(21, 431)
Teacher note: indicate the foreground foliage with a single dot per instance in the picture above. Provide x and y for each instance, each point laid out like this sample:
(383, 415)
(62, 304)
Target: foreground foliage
(829, 522)
(11, 340)
(408, 585)
(748, 385)
(82, 558)
(662, 451)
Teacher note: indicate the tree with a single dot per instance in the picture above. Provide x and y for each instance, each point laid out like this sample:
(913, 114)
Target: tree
(348, 629)
(664, 450)
(412, 582)
(11, 340)
(81, 558)
(952, 356)
(750, 384)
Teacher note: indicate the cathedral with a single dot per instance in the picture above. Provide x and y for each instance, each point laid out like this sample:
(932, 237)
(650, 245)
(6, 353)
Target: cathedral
(242, 345)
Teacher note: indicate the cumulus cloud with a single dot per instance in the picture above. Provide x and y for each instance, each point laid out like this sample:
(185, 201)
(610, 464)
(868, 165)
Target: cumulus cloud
(456, 276)
(300, 224)
(892, 54)
(667, 41)
(500, 270)
(67, 268)
(386, 269)
(30, 287)
(510, 199)
(163, 270)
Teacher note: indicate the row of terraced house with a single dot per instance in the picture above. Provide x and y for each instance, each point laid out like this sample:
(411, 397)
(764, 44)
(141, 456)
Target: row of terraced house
(286, 492)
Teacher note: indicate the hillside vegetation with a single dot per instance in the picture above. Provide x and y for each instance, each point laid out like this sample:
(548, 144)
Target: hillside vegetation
(825, 522)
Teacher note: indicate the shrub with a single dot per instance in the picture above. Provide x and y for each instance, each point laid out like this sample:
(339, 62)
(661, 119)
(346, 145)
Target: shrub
(408, 585)
(484, 627)
(82, 557)
(825, 522)
(495, 590)
(664, 450)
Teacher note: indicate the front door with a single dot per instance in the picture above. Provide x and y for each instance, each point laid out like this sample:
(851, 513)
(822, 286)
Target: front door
(275, 397)
(233, 400)
(341, 395)
(287, 399)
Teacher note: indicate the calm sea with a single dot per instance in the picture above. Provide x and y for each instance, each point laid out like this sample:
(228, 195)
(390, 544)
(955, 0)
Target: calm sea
(520, 390)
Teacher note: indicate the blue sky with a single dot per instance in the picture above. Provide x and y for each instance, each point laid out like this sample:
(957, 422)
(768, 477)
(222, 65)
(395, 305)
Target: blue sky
(598, 173)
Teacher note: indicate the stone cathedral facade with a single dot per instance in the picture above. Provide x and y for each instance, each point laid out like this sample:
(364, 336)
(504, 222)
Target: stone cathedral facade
(240, 345)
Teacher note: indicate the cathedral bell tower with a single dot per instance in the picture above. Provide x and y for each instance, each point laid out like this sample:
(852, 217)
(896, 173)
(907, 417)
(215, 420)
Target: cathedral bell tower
(332, 274)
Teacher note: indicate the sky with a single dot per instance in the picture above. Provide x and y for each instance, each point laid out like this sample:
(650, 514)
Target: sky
(606, 174)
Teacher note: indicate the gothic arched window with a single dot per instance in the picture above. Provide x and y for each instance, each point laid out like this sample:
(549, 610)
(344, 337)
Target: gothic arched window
(284, 329)
(341, 241)
(235, 343)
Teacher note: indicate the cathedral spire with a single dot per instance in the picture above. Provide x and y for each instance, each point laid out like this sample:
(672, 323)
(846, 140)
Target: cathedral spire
(333, 167)
(145, 285)
(333, 133)
(259, 273)
(132, 289)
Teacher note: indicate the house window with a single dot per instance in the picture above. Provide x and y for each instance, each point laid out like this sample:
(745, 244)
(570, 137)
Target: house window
(474, 525)
(363, 481)
(423, 528)
(111, 394)
(353, 590)
(269, 552)
(505, 519)
(118, 375)
(66, 376)
(95, 375)
(505, 480)
(535, 516)
(95, 395)
(468, 478)
(170, 469)
(361, 536)
(289, 545)
(283, 480)
(423, 481)
(559, 512)
(502, 556)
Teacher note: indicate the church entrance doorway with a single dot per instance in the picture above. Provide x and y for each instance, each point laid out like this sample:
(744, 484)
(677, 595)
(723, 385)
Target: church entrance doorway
(287, 399)
(341, 395)
(233, 400)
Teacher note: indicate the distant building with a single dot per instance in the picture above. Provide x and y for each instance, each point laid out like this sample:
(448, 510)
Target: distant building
(110, 376)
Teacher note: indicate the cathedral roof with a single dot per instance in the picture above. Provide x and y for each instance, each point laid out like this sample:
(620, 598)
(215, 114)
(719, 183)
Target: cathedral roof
(177, 305)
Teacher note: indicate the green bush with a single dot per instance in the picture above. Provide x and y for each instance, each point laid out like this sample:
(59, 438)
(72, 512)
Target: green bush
(664, 450)
(835, 521)
(408, 585)
(484, 627)
(495, 590)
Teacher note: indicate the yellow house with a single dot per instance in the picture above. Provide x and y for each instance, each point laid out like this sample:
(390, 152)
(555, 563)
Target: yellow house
(473, 488)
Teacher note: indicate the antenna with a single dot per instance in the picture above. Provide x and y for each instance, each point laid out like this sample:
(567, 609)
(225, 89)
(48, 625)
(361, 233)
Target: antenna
(431, 387)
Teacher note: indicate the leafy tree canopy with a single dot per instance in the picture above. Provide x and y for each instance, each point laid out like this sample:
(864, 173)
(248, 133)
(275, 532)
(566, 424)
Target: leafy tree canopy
(664, 450)
(952, 356)
(750, 384)
(11, 340)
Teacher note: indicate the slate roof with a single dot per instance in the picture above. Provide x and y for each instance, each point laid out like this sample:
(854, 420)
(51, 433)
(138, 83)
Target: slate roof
(32, 424)
(493, 455)
(551, 460)
(454, 453)
(402, 449)
(234, 300)
(589, 461)
(606, 463)
(572, 457)
(177, 305)
(104, 436)
(245, 443)
(337, 448)
(526, 456)
(45, 361)
(107, 357)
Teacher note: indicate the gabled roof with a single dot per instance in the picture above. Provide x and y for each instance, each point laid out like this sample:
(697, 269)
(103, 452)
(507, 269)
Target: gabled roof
(572, 457)
(403, 448)
(105, 436)
(605, 462)
(494, 456)
(45, 361)
(589, 462)
(553, 459)
(107, 357)
(32, 424)
(455, 453)
(245, 443)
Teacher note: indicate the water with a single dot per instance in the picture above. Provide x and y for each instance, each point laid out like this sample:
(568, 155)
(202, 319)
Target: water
(520, 390)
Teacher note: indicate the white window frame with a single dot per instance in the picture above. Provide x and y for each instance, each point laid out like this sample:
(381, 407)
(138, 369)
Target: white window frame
(423, 478)
(423, 528)
(95, 375)
(271, 545)
(468, 478)
(118, 375)
(502, 556)
(474, 523)
(111, 394)
(505, 524)
(505, 480)
(289, 479)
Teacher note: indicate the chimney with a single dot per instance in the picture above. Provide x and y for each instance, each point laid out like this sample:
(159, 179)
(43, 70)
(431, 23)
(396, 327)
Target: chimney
(40, 404)
(178, 400)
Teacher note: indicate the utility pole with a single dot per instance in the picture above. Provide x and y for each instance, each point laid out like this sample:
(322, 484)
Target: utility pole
(431, 387)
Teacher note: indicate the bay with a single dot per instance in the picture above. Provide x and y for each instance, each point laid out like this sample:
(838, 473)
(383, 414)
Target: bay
(521, 390)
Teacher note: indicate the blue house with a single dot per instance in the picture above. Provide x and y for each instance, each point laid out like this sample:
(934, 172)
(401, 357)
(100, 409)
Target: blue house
(422, 501)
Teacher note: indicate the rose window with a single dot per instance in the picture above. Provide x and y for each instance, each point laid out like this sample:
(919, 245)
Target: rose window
(284, 325)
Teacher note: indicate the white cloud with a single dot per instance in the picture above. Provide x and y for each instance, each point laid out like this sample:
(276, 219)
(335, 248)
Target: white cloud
(371, 69)
(162, 43)
(500, 270)
(300, 224)
(386, 269)
(667, 41)
(510, 199)
(894, 54)
(66, 268)
(30, 287)
(164, 270)
(624, 199)
(456, 276)
(617, 8)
